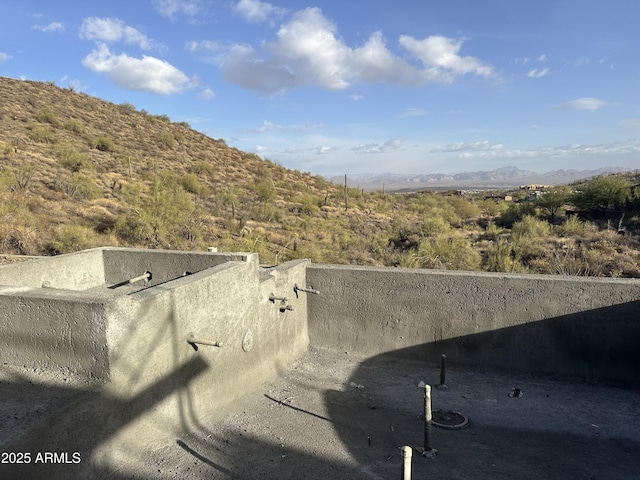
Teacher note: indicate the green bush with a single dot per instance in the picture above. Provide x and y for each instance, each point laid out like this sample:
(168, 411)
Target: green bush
(104, 144)
(265, 191)
(201, 168)
(448, 252)
(166, 139)
(46, 115)
(72, 238)
(42, 134)
(191, 184)
(73, 126)
(70, 158)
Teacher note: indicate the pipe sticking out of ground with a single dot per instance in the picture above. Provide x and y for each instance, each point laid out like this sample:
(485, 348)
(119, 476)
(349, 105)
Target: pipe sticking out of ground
(407, 453)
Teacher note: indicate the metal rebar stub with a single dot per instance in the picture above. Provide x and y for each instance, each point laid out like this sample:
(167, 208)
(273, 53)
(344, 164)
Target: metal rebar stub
(247, 341)
(443, 385)
(195, 342)
(309, 289)
(273, 298)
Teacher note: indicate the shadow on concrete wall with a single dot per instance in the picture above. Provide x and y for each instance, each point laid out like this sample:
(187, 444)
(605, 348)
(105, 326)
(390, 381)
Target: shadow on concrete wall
(598, 345)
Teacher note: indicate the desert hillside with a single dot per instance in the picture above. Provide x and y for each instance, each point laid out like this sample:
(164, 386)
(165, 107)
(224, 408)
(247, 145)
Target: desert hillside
(78, 172)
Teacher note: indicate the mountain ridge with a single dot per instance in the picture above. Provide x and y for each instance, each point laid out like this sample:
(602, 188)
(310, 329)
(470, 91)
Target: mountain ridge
(509, 176)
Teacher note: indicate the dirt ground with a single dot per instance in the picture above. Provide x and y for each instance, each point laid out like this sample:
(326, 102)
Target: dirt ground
(338, 416)
(334, 416)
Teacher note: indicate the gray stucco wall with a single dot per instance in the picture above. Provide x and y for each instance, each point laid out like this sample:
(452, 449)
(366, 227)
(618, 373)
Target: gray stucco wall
(121, 264)
(559, 325)
(74, 271)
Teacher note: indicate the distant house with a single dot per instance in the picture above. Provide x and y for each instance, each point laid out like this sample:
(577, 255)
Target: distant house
(533, 187)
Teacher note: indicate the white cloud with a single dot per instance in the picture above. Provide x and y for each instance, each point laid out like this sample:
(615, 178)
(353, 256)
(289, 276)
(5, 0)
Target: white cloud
(267, 126)
(585, 103)
(537, 73)
(52, 27)
(482, 145)
(440, 57)
(392, 145)
(206, 93)
(581, 62)
(542, 58)
(411, 112)
(112, 30)
(4, 57)
(255, 11)
(172, 8)
(356, 97)
(308, 51)
(148, 74)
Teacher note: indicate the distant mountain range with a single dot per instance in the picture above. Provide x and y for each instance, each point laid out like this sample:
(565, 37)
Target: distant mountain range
(501, 177)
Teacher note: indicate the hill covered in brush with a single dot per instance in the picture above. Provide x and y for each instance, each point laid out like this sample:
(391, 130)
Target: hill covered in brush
(78, 172)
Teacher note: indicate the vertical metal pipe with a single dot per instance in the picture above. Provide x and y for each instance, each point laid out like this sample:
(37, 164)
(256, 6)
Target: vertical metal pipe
(407, 452)
(443, 359)
(427, 418)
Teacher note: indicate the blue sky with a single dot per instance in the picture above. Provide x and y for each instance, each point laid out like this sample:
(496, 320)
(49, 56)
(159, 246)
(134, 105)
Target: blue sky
(360, 86)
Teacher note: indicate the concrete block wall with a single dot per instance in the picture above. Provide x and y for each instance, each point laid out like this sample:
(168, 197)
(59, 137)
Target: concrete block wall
(569, 326)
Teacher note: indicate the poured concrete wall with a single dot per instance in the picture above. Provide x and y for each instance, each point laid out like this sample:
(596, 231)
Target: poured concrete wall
(75, 271)
(559, 325)
(121, 264)
(103, 369)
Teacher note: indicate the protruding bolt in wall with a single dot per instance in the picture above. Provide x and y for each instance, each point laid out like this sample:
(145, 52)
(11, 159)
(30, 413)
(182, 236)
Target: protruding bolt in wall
(443, 385)
(284, 308)
(407, 453)
(273, 298)
(212, 249)
(195, 342)
(309, 289)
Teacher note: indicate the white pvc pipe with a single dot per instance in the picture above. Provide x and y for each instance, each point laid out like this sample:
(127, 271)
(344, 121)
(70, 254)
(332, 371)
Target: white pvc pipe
(407, 452)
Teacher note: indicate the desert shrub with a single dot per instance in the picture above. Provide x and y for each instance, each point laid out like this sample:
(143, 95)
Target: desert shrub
(72, 238)
(492, 232)
(42, 134)
(166, 139)
(70, 158)
(202, 168)
(127, 107)
(8, 148)
(308, 205)
(267, 212)
(161, 118)
(433, 226)
(573, 226)
(104, 144)
(514, 213)
(73, 126)
(464, 208)
(184, 124)
(530, 229)
(449, 252)
(46, 115)
(498, 257)
(191, 184)
(265, 191)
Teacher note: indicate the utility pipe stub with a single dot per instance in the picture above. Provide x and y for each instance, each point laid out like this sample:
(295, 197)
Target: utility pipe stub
(449, 419)
(247, 341)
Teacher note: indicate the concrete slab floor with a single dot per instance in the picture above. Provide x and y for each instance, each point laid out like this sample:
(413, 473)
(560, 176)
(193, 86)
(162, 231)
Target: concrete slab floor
(314, 422)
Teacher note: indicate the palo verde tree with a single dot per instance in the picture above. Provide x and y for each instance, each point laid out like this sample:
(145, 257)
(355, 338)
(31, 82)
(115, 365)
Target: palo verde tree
(554, 199)
(602, 193)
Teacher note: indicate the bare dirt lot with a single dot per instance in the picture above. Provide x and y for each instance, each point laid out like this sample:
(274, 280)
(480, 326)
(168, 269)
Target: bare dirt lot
(314, 422)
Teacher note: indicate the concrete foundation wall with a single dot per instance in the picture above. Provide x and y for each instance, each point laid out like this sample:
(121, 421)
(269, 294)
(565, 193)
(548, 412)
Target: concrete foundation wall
(121, 264)
(559, 325)
(52, 336)
(75, 271)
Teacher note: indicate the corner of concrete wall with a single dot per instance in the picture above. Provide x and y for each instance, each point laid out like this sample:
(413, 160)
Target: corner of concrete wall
(72, 271)
(53, 336)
